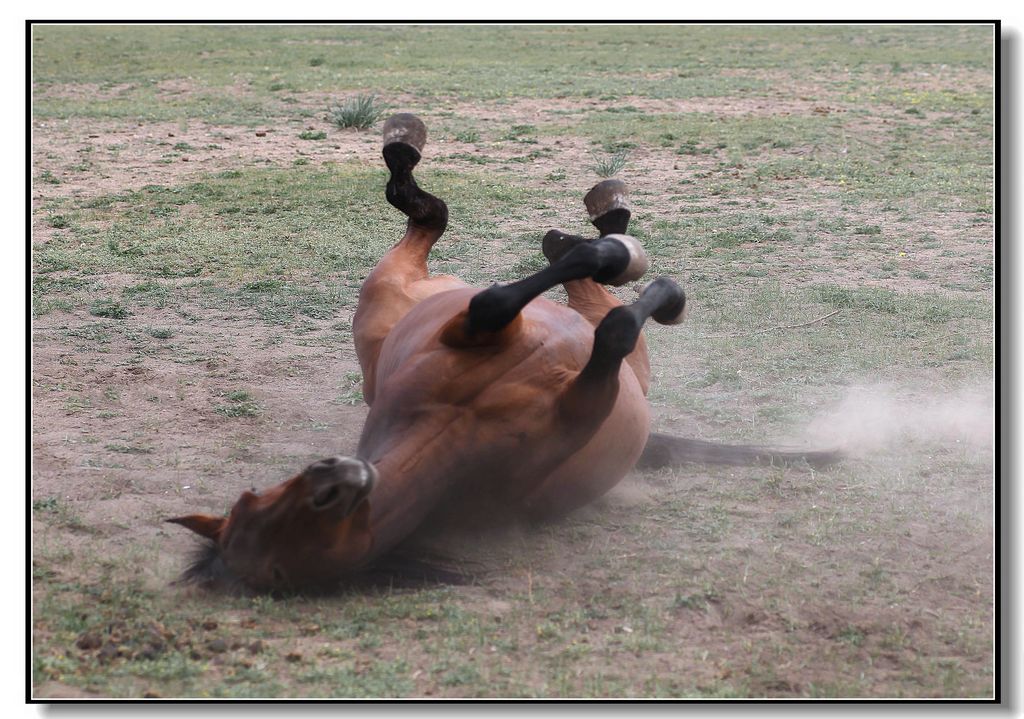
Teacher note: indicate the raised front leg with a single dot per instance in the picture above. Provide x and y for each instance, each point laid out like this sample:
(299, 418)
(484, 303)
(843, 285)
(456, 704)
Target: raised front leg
(608, 209)
(614, 259)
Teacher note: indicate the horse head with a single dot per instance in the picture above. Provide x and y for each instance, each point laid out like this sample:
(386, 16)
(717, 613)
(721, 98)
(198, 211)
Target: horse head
(306, 531)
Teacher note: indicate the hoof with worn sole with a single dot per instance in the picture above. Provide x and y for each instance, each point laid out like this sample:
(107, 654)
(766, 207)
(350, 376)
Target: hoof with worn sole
(672, 309)
(608, 206)
(637, 265)
(407, 128)
(404, 138)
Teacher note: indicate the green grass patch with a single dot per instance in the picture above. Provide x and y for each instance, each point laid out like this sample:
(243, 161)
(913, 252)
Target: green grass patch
(360, 112)
(479, 62)
(771, 222)
(274, 222)
(239, 403)
(110, 309)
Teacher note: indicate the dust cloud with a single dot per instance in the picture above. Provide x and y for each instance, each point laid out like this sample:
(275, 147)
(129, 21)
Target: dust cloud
(873, 418)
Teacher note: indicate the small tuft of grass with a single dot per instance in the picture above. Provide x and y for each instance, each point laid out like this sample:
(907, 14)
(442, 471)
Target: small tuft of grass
(260, 286)
(58, 222)
(128, 449)
(611, 165)
(240, 404)
(359, 112)
(352, 390)
(467, 136)
(313, 135)
(49, 505)
(111, 309)
(867, 230)
(521, 133)
(690, 147)
(854, 636)
(160, 333)
(117, 250)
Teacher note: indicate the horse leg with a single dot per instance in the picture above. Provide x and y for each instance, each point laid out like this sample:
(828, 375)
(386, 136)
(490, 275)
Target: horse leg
(614, 259)
(603, 410)
(609, 212)
(400, 279)
(614, 339)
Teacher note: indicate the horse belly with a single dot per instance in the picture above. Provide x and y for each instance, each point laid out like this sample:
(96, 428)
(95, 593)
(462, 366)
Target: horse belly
(604, 461)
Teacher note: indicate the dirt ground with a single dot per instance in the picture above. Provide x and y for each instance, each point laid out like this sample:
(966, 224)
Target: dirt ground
(128, 433)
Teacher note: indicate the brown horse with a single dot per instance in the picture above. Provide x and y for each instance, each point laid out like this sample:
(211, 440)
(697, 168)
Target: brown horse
(490, 404)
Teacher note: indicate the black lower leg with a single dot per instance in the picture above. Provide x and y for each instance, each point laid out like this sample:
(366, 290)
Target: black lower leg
(423, 209)
(614, 222)
(497, 306)
(556, 243)
(617, 334)
(609, 213)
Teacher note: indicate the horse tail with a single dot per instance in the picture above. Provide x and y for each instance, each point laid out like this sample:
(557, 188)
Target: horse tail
(663, 450)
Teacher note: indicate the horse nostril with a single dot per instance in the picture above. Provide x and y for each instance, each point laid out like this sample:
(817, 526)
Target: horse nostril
(338, 482)
(325, 496)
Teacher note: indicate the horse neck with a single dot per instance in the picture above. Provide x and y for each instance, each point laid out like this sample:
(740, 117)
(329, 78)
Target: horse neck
(415, 470)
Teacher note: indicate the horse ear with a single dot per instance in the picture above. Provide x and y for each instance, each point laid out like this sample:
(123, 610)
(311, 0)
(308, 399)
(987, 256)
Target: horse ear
(202, 524)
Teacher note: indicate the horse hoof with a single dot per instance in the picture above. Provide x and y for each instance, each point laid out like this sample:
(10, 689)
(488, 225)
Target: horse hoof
(407, 128)
(404, 138)
(608, 207)
(556, 243)
(672, 309)
(604, 197)
(638, 263)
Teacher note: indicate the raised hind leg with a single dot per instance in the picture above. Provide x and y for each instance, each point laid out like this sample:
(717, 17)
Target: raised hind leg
(608, 209)
(616, 337)
(400, 279)
(604, 406)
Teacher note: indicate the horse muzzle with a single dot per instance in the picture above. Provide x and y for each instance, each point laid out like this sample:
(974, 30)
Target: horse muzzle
(339, 483)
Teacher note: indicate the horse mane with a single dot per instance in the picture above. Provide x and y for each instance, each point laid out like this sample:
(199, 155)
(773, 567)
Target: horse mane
(206, 567)
(396, 570)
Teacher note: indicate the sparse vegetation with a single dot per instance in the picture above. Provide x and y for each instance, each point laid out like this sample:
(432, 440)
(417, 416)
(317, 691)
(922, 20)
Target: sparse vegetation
(111, 309)
(359, 112)
(239, 404)
(192, 338)
(611, 165)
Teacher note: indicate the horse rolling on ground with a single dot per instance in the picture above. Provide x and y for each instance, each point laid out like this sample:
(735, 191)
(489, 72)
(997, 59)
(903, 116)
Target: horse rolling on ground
(494, 403)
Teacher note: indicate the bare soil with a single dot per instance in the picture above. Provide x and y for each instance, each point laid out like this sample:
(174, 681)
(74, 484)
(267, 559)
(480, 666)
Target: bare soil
(164, 449)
